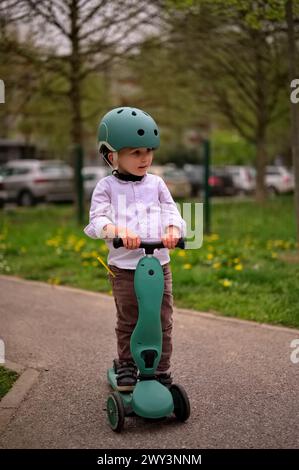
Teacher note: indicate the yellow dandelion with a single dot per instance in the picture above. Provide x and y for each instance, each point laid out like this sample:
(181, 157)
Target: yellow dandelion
(71, 240)
(216, 265)
(187, 266)
(211, 248)
(225, 282)
(79, 245)
(214, 237)
(210, 256)
(236, 260)
(239, 267)
(182, 253)
(273, 255)
(54, 281)
(55, 242)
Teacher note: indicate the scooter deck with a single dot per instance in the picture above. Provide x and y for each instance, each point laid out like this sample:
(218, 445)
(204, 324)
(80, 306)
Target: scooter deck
(149, 399)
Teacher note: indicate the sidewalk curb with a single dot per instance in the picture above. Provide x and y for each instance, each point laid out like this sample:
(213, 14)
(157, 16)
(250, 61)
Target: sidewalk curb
(181, 311)
(12, 400)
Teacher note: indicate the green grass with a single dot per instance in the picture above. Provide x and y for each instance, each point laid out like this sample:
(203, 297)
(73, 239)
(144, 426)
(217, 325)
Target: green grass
(239, 271)
(7, 378)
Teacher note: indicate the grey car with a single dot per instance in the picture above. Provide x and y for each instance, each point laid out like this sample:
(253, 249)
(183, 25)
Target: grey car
(91, 175)
(27, 182)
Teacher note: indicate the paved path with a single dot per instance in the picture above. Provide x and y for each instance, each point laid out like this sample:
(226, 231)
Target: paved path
(243, 387)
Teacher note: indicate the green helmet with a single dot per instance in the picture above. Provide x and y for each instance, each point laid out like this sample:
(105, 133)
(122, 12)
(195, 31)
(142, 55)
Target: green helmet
(128, 127)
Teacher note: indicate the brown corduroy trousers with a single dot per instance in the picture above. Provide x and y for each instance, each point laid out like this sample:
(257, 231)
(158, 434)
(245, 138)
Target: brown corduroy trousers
(127, 313)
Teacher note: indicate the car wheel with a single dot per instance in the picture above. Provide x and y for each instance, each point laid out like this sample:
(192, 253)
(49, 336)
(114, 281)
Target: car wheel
(272, 191)
(26, 199)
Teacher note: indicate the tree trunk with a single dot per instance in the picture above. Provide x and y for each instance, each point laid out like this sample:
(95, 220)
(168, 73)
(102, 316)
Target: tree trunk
(75, 101)
(76, 107)
(294, 108)
(261, 162)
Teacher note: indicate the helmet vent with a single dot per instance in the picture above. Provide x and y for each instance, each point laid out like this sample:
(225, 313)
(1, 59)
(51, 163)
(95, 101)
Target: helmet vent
(145, 113)
(140, 132)
(155, 132)
(119, 111)
(134, 114)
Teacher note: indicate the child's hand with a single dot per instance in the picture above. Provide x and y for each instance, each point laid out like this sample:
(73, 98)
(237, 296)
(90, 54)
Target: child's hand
(171, 237)
(130, 239)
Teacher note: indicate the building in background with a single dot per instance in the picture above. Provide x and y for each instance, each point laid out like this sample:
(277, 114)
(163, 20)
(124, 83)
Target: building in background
(16, 150)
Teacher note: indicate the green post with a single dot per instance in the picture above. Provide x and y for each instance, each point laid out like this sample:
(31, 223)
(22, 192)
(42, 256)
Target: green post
(79, 190)
(207, 207)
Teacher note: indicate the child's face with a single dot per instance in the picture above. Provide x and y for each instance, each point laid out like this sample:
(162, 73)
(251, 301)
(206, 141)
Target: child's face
(135, 160)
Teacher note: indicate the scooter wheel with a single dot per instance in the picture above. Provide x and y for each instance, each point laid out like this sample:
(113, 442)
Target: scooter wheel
(115, 411)
(180, 401)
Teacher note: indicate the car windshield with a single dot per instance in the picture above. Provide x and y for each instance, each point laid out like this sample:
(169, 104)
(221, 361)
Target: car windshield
(54, 169)
(173, 173)
(90, 176)
(14, 170)
(5, 171)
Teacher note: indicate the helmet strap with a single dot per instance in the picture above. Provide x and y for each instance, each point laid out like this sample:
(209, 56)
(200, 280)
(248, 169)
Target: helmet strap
(128, 177)
(114, 164)
(114, 168)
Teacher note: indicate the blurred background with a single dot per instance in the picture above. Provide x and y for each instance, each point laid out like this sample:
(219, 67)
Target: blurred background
(209, 72)
(216, 70)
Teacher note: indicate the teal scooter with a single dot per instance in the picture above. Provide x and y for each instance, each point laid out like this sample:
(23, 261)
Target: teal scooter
(149, 399)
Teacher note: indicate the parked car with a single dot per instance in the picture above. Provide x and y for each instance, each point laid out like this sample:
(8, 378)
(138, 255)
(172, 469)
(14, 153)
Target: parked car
(30, 181)
(243, 178)
(175, 179)
(91, 175)
(279, 180)
(3, 193)
(195, 175)
(221, 182)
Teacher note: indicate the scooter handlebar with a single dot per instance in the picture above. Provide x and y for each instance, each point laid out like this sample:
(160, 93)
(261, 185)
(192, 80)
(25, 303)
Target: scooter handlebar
(117, 243)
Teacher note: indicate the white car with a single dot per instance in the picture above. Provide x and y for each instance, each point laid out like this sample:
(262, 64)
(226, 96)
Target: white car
(91, 175)
(3, 193)
(279, 180)
(243, 178)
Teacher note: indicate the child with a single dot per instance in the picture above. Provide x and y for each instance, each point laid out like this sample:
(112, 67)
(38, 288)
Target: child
(134, 205)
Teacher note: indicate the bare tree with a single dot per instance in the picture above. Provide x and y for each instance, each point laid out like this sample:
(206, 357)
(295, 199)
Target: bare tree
(87, 36)
(241, 67)
(80, 37)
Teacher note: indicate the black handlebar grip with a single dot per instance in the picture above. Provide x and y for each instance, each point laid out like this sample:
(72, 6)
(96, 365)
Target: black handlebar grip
(181, 244)
(118, 243)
